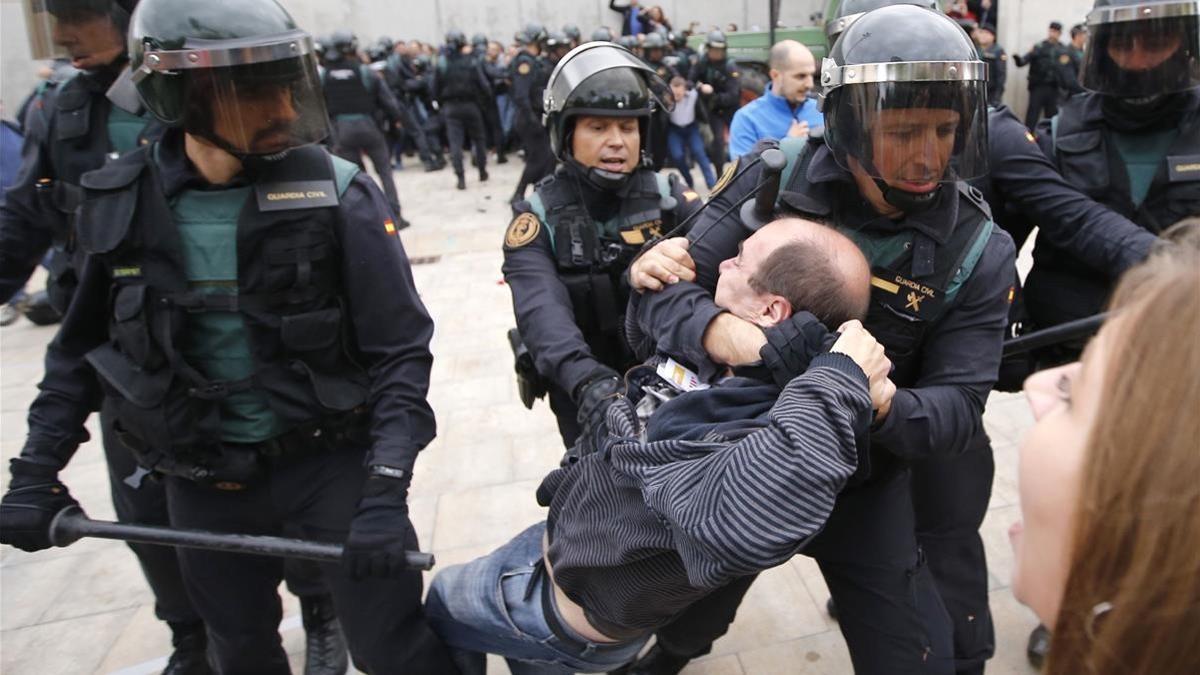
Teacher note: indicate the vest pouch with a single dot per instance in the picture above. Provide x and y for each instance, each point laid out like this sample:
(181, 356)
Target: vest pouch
(131, 327)
(290, 258)
(314, 338)
(1083, 160)
(335, 392)
(901, 334)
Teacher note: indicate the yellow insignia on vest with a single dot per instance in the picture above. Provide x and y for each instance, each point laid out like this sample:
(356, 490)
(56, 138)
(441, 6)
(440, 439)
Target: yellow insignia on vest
(723, 182)
(1064, 59)
(1030, 137)
(884, 284)
(523, 69)
(690, 195)
(1004, 57)
(126, 272)
(523, 229)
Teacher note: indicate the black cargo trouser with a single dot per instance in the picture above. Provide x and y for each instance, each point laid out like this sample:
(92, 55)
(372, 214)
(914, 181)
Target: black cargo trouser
(313, 497)
(356, 135)
(716, 149)
(888, 606)
(950, 499)
(1042, 98)
(142, 500)
(464, 120)
(539, 158)
(495, 129)
(430, 153)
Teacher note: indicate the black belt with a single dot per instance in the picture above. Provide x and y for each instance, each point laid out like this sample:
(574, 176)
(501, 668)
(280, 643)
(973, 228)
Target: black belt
(563, 633)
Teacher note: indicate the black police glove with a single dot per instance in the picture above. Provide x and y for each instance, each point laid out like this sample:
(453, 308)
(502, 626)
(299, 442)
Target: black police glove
(380, 532)
(792, 344)
(34, 497)
(592, 401)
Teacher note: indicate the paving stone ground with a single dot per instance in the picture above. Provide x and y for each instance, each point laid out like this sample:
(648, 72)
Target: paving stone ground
(86, 608)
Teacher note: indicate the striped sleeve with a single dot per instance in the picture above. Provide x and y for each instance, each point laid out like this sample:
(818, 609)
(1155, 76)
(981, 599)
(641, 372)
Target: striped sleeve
(740, 508)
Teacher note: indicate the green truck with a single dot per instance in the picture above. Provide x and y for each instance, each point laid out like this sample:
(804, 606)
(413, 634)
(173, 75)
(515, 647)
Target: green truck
(750, 49)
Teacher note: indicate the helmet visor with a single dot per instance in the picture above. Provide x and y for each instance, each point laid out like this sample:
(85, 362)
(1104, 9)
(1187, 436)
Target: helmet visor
(1130, 56)
(258, 108)
(80, 30)
(591, 59)
(913, 135)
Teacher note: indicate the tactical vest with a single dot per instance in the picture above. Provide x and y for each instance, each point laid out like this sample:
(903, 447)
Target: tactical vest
(349, 89)
(914, 280)
(459, 80)
(592, 257)
(1086, 156)
(288, 296)
(76, 147)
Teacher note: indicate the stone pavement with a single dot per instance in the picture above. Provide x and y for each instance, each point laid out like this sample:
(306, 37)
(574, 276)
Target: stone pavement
(86, 608)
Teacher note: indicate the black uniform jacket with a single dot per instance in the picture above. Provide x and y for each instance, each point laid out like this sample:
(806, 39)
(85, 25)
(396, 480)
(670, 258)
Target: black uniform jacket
(545, 315)
(390, 330)
(1023, 183)
(939, 413)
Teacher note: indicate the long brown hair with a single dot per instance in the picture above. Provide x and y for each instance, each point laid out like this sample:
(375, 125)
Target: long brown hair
(1132, 597)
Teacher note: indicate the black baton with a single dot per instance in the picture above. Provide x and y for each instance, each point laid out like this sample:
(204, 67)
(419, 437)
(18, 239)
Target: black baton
(71, 524)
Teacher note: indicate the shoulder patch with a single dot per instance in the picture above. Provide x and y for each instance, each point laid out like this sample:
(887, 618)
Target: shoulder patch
(523, 69)
(523, 229)
(1064, 59)
(1003, 57)
(725, 178)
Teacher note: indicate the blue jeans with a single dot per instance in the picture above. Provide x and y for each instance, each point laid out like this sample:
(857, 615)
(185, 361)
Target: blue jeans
(680, 139)
(494, 604)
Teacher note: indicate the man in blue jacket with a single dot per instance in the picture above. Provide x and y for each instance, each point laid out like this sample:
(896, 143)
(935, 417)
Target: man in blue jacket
(785, 108)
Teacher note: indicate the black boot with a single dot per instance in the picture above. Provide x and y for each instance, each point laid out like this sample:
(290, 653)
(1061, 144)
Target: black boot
(483, 175)
(190, 655)
(1039, 646)
(324, 647)
(462, 182)
(657, 661)
(831, 608)
(501, 158)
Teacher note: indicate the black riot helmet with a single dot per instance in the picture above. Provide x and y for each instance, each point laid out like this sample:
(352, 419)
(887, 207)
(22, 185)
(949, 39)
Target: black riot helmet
(572, 32)
(602, 34)
(654, 41)
(343, 42)
(46, 19)
(629, 42)
(1142, 49)
(716, 40)
(557, 45)
(848, 11)
(386, 43)
(479, 41)
(456, 40)
(532, 34)
(905, 100)
(605, 80)
(240, 75)
(678, 40)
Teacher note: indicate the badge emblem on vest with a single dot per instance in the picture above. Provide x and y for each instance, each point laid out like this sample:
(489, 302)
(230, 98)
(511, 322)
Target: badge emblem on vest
(726, 177)
(523, 69)
(914, 302)
(523, 230)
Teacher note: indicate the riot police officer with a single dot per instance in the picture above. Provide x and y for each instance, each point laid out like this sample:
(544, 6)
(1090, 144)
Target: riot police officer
(685, 56)
(1127, 143)
(996, 59)
(899, 139)
(566, 250)
(655, 48)
(74, 129)
(355, 95)
(720, 92)
(1044, 74)
(497, 80)
(525, 73)
(401, 76)
(459, 85)
(269, 384)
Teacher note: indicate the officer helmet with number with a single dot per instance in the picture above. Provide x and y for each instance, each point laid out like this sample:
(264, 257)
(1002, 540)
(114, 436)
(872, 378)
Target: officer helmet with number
(905, 101)
(77, 30)
(1140, 49)
(848, 11)
(605, 80)
(240, 75)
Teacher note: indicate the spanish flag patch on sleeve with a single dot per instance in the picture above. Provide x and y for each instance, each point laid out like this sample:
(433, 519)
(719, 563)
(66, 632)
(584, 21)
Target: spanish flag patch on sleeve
(389, 227)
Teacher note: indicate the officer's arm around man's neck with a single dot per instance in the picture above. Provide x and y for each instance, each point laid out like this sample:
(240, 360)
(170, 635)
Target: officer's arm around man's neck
(212, 163)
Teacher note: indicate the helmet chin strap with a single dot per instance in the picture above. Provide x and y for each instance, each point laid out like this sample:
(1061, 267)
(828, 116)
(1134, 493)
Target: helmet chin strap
(910, 203)
(599, 178)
